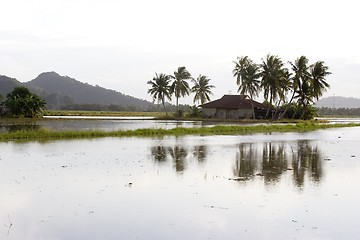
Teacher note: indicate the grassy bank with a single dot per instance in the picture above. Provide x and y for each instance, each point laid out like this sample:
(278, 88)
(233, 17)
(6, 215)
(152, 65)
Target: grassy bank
(216, 130)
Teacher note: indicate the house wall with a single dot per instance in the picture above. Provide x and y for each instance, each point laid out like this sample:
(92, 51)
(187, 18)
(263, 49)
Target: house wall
(226, 113)
(245, 113)
(209, 112)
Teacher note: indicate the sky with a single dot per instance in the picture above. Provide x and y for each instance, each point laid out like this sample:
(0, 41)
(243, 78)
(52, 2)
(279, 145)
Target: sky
(121, 44)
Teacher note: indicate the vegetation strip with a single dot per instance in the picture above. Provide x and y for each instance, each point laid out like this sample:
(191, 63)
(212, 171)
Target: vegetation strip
(216, 130)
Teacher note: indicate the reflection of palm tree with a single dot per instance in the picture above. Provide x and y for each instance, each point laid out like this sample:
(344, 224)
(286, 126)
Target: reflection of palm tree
(274, 162)
(245, 164)
(306, 159)
(159, 153)
(179, 155)
(200, 153)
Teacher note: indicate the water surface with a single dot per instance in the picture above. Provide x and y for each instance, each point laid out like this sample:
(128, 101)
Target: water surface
(261, 186)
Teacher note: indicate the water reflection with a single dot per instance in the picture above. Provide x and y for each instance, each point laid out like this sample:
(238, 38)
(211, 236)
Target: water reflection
(274, 161)
(19, 127)
(179, 155)
(307, 159)
(159, 153)
(200, 153)
(270, 160)
(245, 163)
(301, 158)
(80, 189)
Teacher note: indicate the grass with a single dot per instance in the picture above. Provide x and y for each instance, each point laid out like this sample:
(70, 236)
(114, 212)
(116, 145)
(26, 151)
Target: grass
(216, 130)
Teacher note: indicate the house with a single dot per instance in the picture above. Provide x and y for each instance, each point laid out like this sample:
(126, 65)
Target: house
(234, 107)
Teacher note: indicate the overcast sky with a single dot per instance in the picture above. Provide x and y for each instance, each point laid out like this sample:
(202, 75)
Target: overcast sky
(120, 44)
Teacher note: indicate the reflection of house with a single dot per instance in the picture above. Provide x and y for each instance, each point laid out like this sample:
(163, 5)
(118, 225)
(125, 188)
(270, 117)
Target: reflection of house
(234, 107)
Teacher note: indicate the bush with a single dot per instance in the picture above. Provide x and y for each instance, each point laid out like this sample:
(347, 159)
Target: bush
(300, 112)
(195, 112)
(24, 103)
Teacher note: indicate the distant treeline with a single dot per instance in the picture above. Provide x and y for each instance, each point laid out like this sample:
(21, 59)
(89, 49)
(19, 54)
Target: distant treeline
(351, 112)
(115, 107)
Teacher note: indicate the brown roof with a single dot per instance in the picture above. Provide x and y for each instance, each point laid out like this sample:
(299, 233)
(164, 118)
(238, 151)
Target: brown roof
(234, 102)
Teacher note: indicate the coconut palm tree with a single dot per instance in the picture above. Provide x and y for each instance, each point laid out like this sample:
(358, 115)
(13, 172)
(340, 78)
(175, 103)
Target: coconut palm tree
(247, 76)
(274, 79)
(318, 73)
(240, 66)
(299, 77)
(180, 86)
(202, 89)
(160, 88)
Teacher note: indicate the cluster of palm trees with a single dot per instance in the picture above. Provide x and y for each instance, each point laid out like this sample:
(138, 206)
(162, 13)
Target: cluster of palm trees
(164, 86)
(281, 87)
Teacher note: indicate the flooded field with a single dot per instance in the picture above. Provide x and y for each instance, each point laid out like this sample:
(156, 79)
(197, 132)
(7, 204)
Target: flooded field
(261, 186)
(75, 124)
(103, 123)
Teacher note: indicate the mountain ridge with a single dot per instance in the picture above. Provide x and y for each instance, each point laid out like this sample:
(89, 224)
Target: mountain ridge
(59, 91)
(338, 102)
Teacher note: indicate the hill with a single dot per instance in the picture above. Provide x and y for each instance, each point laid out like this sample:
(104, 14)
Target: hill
(63, 91)
(338, 102)
(7, 84)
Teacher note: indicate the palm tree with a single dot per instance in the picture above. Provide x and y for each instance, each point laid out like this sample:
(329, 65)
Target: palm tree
(160, 88)
(180, 87)
(318, 73)
(301, 79)
(202, 89)
(300, 76)
(247, 76)
(274, 79)
(305, 94)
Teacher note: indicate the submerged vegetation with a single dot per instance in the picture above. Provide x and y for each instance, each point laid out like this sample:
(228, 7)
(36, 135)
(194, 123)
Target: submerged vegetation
(216, 130)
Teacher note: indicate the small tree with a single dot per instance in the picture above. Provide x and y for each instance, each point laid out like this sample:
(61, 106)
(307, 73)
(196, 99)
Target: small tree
(24, 103)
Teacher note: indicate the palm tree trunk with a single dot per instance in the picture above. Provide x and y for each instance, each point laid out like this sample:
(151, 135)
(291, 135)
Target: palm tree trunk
(267, 112)
(253, 110)
(177, 105)
(163, 103)
(288, 106)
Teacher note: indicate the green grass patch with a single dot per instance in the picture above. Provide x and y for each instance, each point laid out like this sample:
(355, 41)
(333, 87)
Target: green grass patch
(24, 135)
